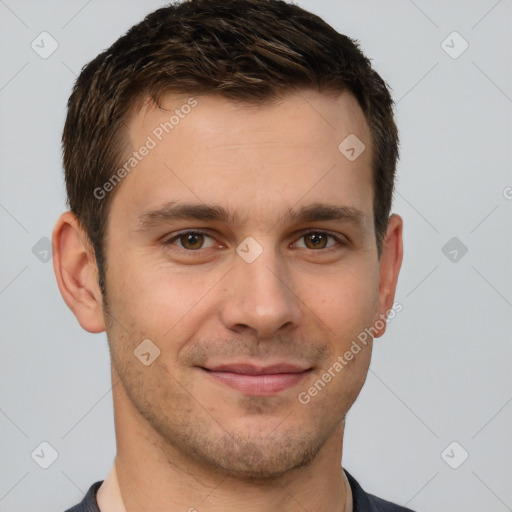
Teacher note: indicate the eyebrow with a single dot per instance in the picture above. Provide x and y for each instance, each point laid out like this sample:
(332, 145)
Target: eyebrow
(173, 211)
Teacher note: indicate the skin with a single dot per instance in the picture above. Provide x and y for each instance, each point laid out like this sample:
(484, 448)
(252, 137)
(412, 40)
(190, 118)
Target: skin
(184, 439)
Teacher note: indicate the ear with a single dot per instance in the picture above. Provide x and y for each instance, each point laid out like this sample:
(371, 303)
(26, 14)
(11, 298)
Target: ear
(75, 267)
(389, 268)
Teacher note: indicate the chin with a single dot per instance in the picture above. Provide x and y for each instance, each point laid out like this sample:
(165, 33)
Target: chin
(259, 458)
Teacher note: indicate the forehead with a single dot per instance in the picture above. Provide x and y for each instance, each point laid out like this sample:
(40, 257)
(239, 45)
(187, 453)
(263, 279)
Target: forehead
(260, 160)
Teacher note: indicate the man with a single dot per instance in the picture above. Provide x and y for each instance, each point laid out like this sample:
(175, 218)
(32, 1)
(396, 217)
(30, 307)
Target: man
(229, 168)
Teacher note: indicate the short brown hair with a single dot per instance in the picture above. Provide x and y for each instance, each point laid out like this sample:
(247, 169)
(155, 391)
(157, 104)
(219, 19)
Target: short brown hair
(250, 51)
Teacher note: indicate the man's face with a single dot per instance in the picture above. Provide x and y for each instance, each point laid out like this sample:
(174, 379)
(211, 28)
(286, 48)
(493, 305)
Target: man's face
(243, 247)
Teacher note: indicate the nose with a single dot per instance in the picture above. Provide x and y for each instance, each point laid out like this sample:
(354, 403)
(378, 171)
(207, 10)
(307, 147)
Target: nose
(260, 297)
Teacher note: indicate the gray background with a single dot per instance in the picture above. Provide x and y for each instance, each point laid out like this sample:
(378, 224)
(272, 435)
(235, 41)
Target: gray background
(442, 371)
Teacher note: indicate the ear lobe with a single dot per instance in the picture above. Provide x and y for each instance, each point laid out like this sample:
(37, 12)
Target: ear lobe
(389, 268)
(77, 274)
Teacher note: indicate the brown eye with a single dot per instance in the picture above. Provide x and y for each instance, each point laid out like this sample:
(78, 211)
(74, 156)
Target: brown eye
(191, 241)
(316, 240)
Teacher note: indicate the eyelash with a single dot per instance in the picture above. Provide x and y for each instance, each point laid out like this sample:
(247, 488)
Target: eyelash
(175, 237)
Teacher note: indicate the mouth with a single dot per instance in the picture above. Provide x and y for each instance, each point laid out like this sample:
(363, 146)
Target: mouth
(258, 380)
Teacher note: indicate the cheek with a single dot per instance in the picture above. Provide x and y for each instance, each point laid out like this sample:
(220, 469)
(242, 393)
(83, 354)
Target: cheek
(345, 301)
(156, 301)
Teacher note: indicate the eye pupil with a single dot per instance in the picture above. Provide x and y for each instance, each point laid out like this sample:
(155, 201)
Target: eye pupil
(192, 240)
(316, 240)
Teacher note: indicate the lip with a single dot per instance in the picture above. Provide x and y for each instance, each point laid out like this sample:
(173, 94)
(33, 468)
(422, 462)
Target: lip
(258, 380)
